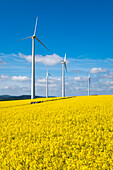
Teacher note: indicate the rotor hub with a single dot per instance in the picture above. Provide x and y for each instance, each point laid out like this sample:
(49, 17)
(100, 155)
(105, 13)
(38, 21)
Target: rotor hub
(34, 36)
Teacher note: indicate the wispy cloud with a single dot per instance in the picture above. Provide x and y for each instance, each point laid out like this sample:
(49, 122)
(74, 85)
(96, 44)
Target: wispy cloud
(8, 55)
(2, 62)
(106, 76)
(51, 80)
(109, 82)
(2, 76)
(110, 88)
(78, 78)
(98, 70)
(20, 78)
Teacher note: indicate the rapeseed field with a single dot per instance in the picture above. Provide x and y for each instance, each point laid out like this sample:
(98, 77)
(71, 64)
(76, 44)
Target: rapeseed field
(75, 133)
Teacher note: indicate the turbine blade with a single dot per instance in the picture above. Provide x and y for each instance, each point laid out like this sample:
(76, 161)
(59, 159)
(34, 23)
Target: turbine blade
(65, 58)
(35, 26)
(24, 38)
(49, 74)
(65, 66)
(42, 43)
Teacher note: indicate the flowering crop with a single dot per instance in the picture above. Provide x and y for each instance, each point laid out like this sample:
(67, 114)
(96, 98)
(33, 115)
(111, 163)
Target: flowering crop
(75, 133)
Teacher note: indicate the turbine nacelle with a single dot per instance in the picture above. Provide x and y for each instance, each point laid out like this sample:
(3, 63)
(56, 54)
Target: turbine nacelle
(63, 62)
(34, 36)
(89, 76)
(48, 74)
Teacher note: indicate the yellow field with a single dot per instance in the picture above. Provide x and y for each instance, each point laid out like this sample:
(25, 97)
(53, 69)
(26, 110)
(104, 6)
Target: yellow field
(75, 133)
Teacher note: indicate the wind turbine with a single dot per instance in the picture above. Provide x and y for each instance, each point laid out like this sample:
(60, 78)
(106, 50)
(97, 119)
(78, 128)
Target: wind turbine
(47, 75)
(89, 84)
(63, 75)
(33, 59)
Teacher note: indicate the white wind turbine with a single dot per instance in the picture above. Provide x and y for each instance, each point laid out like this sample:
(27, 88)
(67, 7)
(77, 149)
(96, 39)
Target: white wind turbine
(63, 75)
(89, 84)
(33, 59)
(47, 75)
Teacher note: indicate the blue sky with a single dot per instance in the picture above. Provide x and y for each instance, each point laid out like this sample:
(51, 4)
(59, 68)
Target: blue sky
(81, 29)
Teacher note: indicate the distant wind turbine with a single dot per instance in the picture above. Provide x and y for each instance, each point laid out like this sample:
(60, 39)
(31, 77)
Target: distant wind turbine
(89, 84)
(33, 59)
(47, 75)
(63, 75)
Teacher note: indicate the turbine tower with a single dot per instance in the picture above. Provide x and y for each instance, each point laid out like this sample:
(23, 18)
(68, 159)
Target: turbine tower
(63, 75)
(89, 84)
(33, 59)
(47, 75)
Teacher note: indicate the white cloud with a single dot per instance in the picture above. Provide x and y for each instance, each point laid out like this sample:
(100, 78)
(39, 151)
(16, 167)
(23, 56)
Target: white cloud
(111, 87)
(49, 59)
(44, 85)
(77, 88)
(84, 78)
(46, 60)
(6, 87)
(2, 76)
(107, 76)
(109, 82)
(51, 80)
(98, 70)
(77, 78)
(40, 84)
(99, 89)
(111, 73)
(27, 57)
(3, 55)
(20, 78)
(109, 59)
(52, 85)
(42, 80)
